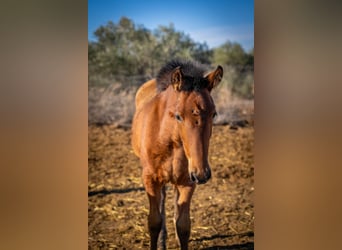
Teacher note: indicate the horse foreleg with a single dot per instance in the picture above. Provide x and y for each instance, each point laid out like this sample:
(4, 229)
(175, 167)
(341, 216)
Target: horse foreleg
(183, 196)
(155, 219)
(163, 233)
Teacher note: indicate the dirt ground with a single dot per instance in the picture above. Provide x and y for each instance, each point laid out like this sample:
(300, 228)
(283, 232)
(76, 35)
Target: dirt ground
(222, 210)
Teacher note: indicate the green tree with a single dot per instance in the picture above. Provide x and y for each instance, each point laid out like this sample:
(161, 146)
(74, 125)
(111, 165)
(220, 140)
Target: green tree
(239, 68)
(230, 54)
(125, 49)
(129, 53)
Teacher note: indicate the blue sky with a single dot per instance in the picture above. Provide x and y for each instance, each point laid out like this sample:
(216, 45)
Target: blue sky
(213, 22)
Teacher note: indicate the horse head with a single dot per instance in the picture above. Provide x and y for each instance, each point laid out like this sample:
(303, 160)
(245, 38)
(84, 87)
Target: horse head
(194, 111)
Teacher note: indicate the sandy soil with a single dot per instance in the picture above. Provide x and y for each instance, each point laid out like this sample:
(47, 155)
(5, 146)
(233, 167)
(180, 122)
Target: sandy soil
(222, 210)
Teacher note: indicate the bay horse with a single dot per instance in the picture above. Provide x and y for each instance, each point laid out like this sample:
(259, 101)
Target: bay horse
(171, 129)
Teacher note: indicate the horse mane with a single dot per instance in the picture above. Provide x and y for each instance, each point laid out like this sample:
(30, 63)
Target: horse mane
(193, 75)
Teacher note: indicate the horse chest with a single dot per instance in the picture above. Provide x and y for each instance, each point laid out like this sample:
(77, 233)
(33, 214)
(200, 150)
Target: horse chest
(173, 165)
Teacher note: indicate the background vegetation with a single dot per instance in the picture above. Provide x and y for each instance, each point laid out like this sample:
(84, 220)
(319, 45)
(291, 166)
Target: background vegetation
(125, 55)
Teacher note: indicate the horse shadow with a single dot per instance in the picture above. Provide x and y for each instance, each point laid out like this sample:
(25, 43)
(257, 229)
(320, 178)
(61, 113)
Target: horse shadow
(242, 246)
(114, 191)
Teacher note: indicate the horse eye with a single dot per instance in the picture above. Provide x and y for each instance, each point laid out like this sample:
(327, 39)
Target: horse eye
(214, 115)
(178, 118)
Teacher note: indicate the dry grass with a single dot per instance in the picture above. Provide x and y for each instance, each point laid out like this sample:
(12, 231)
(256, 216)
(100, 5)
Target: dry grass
(115, 105)
(111, 105)
(230, 108)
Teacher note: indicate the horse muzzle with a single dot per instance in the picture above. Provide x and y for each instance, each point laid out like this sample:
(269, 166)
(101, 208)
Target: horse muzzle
(201, 179)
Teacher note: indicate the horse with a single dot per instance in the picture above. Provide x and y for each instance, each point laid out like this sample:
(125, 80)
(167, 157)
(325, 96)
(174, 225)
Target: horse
(171, 129)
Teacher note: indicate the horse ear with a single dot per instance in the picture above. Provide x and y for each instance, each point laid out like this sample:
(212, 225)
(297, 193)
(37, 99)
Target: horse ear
(177, 78)
(214, 77)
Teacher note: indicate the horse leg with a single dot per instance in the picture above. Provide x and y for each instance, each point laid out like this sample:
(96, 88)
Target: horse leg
(183, 196)
(155, 219)
(163, 233)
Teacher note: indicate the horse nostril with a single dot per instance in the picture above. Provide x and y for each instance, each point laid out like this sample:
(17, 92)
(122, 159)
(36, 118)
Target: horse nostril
(193, 177)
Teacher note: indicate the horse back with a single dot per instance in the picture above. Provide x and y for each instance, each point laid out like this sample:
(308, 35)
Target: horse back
(145, 93)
